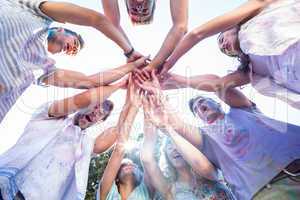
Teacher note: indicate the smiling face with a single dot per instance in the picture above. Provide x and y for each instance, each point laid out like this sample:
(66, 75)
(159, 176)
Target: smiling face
(140, 11)
(228, 42)
(207, 109)
(174, 157)
(89, 117)
(62, 41)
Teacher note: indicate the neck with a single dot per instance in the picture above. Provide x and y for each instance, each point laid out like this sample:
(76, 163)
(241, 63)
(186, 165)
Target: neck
(185, 175)
(219, 117)
(126, 189)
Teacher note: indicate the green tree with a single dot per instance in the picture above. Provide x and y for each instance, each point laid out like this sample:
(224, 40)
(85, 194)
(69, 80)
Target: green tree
(97, 167)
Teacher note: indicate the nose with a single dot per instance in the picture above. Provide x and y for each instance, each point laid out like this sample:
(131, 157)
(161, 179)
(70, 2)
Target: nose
(223, 44)
(140, 9)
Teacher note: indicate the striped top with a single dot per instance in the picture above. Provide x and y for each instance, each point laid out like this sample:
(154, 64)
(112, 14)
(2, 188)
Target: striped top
(23, 53)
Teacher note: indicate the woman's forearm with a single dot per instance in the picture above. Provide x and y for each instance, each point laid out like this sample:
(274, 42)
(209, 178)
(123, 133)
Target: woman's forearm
(216, 25)
(125, 127)
(150, 137)
(181, 49)
(179, 16)
(187, 131)
(206, 82)
(110, 76)
(199, 163)
(83, 100)
(157, 179)
(200, 82)
(111, 170)
(176, 33)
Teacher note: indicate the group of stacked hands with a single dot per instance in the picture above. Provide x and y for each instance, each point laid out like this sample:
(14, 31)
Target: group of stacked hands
(229, 143)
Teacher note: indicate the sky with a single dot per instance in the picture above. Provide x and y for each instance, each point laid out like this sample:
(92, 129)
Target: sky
(101, 54)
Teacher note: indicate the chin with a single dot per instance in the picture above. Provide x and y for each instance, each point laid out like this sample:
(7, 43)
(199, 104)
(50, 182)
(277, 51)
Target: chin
(179, 163)
(83, 126)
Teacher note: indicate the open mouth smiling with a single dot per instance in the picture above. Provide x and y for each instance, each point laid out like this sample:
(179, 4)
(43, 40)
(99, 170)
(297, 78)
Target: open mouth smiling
(88, 118)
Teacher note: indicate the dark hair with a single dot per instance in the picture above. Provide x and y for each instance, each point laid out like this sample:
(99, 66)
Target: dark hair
(52, 31)
(109, 106)
(243, 59)
(195, 99)
(192, 101)
(138, 177)
(244, 62)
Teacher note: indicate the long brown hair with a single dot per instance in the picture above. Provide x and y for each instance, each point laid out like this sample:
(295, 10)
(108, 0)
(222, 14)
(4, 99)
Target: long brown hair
(243, 58)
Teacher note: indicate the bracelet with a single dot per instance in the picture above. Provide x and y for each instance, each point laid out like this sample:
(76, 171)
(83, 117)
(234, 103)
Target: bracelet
(128, 54)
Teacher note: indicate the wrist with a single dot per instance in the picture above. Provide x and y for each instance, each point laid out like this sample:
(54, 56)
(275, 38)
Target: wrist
(174, 122)
(129, 52)
(133, 108)
(154, 64)
(167, 129)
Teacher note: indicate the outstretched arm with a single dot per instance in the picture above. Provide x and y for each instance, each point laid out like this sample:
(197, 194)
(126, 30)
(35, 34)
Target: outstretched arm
(156, 177)
(199, 163)
(85, 99)
(179, 13)
(71, 13)
(106, 139)
(224, 87)
(68, 78)
(112, 12)
(114, 163)
(214, 26)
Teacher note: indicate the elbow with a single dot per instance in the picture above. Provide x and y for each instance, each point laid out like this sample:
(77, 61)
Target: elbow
(220, 85)
(54, 111)
(212, 84)
(181, 29)
(207, 171)
(196, 35)
(94, 18)
(216, 85)
(86, 83)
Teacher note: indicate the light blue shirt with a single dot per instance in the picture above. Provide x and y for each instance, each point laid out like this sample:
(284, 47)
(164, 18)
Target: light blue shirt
(139, 193)
(250, 149)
